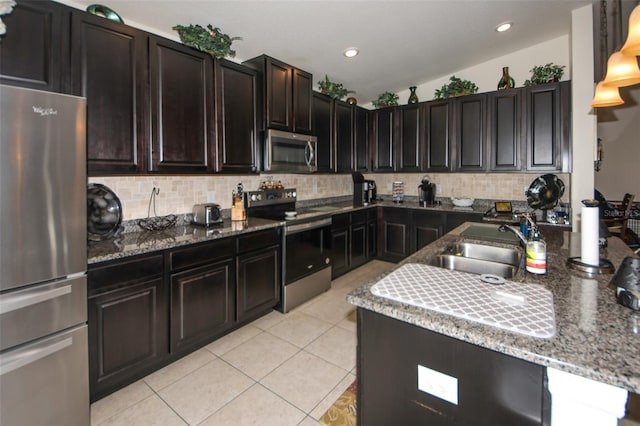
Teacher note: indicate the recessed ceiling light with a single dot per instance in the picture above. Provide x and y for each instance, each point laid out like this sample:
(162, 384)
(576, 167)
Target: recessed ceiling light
(350, 52)
(504, 27)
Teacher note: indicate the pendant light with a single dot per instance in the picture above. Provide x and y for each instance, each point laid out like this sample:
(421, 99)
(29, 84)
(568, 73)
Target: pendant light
(622, 71)
(632, 46)
(606, 96)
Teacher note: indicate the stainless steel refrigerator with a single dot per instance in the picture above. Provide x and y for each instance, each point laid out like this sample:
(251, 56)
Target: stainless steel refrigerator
(44, 377)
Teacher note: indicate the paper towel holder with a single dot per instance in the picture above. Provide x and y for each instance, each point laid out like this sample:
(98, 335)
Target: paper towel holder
(605, 266)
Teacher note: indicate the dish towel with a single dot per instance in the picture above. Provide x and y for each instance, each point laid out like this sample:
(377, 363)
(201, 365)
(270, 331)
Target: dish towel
(576, 400)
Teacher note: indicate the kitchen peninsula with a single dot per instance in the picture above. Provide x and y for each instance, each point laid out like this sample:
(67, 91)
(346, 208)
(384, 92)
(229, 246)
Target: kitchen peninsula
(595, 339)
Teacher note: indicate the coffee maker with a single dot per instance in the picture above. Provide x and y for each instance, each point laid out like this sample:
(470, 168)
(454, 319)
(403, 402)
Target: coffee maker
(426, 192)
(364, 190)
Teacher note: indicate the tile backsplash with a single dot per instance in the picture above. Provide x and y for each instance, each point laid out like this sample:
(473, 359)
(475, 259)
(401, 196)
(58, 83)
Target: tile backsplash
(178, 194)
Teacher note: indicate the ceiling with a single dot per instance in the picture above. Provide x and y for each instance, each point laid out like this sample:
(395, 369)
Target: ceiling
(402, 43)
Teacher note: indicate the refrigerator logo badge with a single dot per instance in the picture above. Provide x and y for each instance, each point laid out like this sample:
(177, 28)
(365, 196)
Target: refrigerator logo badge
(44, 111)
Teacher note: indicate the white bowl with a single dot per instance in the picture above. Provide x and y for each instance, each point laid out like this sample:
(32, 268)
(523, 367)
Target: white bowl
(462, 201)
(290, 214)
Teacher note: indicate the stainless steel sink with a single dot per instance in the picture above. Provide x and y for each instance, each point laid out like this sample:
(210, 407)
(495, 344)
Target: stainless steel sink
(486, 252)
(479, 259)
(474, 266)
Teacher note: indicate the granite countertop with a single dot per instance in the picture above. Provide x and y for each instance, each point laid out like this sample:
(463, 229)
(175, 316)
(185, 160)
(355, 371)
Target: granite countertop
(595, 337)
(134, 243)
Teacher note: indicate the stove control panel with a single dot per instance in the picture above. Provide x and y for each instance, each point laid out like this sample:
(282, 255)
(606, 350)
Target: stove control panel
(270, 197)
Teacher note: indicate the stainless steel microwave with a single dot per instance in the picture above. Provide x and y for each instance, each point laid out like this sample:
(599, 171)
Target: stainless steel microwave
(290, 152)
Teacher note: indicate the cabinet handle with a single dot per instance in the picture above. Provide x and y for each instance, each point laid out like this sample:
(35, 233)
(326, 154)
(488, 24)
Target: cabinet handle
(13, 303)
(32, 355)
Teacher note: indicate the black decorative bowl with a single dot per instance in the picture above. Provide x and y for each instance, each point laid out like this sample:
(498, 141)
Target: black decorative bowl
(104, 213)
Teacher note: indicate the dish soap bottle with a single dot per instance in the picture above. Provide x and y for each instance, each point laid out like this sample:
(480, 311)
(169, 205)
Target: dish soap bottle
(536, 254)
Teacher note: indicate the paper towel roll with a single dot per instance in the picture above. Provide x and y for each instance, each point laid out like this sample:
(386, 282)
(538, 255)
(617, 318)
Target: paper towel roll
(590, 236)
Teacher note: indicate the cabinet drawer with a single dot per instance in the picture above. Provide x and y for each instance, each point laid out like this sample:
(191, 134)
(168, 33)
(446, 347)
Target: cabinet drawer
(201, 254)
(258, 240)
(359, 216)
(340, 220)
(119, 272)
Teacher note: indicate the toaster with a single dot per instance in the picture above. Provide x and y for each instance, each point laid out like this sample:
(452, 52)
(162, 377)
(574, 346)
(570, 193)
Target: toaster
(207, 214)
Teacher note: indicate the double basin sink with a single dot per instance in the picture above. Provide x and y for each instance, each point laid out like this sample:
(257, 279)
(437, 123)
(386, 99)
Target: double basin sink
(480, 258)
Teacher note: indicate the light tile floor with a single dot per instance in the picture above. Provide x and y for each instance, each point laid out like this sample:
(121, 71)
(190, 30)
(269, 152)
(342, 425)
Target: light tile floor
(282, 369)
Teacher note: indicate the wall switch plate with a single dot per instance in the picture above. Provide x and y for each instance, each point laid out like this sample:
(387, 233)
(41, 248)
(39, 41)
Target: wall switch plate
(438, 384)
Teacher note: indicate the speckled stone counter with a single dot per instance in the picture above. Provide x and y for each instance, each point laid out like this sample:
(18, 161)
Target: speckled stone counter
(134, 243)
(596, 338)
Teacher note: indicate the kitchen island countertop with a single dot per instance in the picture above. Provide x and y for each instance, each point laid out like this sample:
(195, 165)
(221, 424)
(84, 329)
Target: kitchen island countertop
(595, 337)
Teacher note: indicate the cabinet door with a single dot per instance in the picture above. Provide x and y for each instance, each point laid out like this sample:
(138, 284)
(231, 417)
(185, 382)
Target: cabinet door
(302, 83)
(544, 135)
(202, 304)
(236, 100)
(410, 139)
(258, 288)
(127, 317)
(182, 135)
(358, 245)
(34, 50)
(383, 157)
(426, 228)
(372, 239)
(395, 234)
(109, 68)
(504, 129)
(470, 134)
(279, 94)
(339, 251)
(322, 128)
(361, 140)
(344, 136)
(437, 116)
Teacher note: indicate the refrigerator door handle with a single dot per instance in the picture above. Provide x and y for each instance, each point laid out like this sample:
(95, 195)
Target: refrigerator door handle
(13, 303)
(33, 355)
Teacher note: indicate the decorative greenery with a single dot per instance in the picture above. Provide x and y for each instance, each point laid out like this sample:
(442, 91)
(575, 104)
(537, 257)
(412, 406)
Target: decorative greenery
(541, 74)
(386, 99)
(335, 90)
(455, 87)
(210, 40)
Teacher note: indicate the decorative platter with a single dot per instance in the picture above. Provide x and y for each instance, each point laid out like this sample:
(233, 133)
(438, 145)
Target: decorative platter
(104, 213)
(105, 12)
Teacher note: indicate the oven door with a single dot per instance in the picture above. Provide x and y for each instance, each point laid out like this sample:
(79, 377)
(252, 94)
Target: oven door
(306, 249)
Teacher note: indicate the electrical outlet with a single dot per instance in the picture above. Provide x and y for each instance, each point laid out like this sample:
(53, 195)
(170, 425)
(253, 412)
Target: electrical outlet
(211, 196)
(438, 189)
(438, 384)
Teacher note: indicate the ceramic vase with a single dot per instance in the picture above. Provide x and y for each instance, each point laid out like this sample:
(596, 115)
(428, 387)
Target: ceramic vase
(413, 98)
(506, 82)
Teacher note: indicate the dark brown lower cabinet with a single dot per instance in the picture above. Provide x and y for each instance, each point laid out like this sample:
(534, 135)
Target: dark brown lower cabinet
(352, 240)
(258, 282)
(491, 388)
(339, 249)
(127, 322)
(427, 227)
(395, 234)
(202, 304)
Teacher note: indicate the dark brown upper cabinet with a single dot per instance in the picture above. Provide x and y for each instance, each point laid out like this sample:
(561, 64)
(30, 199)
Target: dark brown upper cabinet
(286, 95)
(109, 68)
(35, 49)
(361, 140)
(182, 129)
(437, 123)
(322, 128)
(469, 133)
(504, 130)
(344, 113)
(548, 123)
(383, 139)
(236, 98)
(410, 138)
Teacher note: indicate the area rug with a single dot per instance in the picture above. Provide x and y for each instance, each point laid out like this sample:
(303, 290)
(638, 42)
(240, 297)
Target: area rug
(343, 411)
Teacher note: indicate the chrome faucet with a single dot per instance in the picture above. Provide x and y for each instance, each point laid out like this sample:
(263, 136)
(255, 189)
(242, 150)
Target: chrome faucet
(504, 228)
(523, 239)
